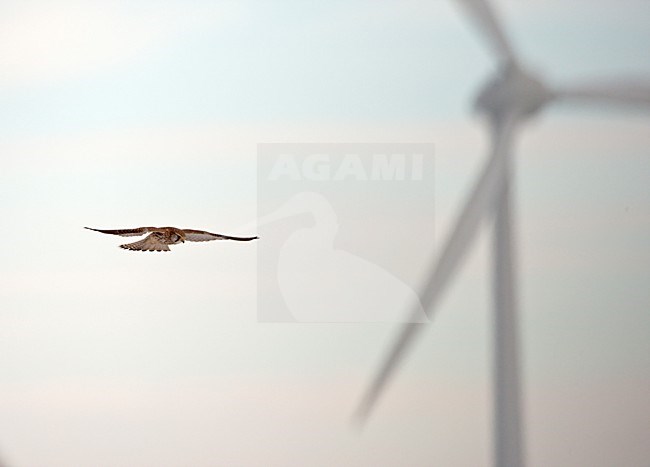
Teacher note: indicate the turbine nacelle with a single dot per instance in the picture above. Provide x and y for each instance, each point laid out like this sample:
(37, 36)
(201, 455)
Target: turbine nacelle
(512, 91)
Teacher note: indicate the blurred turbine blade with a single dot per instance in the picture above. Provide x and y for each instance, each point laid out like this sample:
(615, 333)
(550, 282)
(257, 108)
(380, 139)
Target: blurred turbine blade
(634, 92)
(405, 337)
(481, 202)
(489, 26)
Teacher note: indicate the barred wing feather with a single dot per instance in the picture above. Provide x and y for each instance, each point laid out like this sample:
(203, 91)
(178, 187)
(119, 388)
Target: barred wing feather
(202, 236)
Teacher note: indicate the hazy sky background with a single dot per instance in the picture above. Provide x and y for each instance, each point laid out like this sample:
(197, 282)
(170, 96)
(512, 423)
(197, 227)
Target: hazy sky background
(120, 114)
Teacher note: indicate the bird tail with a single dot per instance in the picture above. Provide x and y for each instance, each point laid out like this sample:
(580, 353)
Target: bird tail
(146, 244)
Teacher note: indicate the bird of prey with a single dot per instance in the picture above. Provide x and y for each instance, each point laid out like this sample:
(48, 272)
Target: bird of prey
(160, 238)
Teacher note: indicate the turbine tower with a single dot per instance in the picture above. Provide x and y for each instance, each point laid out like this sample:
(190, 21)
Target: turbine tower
(507, 100)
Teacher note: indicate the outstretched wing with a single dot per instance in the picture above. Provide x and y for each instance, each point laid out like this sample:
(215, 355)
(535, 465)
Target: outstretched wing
(152, 242)
(125, 232)
(201, 236)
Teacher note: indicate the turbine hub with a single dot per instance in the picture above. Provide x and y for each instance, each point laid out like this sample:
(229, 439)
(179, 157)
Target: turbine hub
(512, 90)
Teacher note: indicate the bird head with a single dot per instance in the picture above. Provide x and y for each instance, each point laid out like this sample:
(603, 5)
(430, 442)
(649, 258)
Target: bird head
(177, 237)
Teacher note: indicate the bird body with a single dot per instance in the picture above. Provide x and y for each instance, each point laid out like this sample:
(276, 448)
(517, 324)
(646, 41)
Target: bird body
(160, 238)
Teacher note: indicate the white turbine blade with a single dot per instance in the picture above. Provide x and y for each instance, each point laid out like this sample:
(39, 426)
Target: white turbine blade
(480, 203)
(486, 20)
(405, 337)
(635, 92)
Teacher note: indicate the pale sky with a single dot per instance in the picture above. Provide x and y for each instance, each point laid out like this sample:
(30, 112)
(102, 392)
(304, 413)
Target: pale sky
(122, 114)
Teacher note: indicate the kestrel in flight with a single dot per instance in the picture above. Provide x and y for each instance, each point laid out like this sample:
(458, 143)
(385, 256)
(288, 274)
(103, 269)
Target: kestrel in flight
(160, 238)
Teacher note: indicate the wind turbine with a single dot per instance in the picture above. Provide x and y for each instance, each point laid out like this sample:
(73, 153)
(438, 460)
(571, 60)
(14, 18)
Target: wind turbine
(508, 99)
